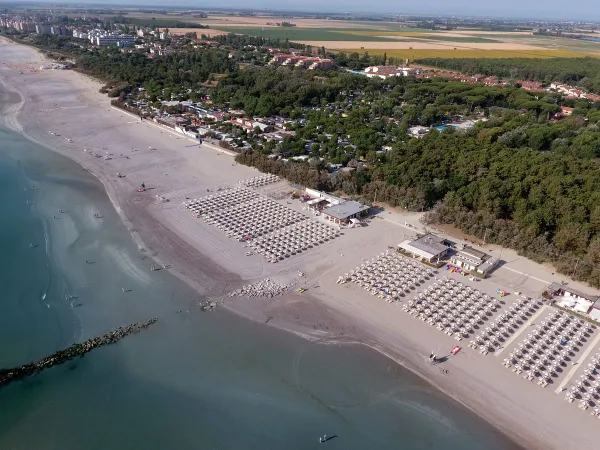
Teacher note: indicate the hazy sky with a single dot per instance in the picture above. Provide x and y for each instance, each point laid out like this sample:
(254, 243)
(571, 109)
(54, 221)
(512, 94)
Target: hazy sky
(548, 9)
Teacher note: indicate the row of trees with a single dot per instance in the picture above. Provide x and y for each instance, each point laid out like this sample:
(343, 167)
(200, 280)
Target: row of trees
(177, 71)
(239, 41)
(358, 184)
(584, 72)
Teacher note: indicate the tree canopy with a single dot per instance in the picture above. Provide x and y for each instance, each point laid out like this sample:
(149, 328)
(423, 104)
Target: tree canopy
(584, 72)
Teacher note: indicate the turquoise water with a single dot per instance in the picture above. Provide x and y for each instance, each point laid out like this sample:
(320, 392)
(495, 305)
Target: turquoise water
(193, 381)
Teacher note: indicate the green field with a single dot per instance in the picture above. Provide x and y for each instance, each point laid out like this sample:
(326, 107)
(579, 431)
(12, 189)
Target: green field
(303, 34)
(465, 39)
(414, 54)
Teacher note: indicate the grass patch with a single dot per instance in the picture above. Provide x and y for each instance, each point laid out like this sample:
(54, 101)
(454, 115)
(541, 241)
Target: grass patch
(414, 54)
(302, 34)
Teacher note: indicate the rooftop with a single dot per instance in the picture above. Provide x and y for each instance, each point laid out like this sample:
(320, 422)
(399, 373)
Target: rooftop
(558, 287)
(345, 209)
(474, 253)
(430, 243)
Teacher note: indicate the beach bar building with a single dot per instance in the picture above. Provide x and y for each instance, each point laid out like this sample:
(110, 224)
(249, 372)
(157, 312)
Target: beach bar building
(474, 260)
(344, 212)
(335, 209)
(594, 313)
(574, 299)
(429, 247)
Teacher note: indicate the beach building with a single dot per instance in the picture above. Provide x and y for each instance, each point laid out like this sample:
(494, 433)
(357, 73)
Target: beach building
(335, 209)
(429, 247)
(474, 260)
(575, 300)
(594, 313)
(345, 212)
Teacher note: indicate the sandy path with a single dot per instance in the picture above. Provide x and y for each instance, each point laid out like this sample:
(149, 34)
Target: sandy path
(70, 105)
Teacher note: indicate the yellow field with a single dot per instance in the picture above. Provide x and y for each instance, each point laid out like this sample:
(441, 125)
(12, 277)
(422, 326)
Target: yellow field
(476, 53)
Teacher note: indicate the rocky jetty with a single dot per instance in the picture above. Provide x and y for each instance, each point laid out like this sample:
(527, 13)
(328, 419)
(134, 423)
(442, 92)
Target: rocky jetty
(7, 376)
(263, 288)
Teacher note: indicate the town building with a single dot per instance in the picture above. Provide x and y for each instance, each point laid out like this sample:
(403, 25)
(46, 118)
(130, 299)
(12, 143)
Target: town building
(42, 29)
(104, 38)
(59, 30)
(121, 40)
(305, 62)
(430, 247)
(532, 86)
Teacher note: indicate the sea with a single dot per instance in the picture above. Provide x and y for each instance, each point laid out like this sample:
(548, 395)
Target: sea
(195, 380)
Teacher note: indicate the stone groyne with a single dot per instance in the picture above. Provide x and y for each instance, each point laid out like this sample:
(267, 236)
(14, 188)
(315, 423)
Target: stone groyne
(7, 376)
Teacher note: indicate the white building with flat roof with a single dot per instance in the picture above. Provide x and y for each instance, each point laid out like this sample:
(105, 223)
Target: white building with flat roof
(345, 211)
(575, 300)
(121, 40)
(472, 259)
(335, 209)
(429, 247)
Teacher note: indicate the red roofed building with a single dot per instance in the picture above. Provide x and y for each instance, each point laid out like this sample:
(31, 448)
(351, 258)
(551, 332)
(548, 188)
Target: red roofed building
(566, 111)
(531, 85)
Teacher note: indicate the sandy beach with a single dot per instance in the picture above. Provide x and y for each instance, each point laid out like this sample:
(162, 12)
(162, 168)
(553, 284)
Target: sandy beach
(82, 121)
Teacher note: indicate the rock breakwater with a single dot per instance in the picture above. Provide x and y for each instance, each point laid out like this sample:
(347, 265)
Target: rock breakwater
(7, 376)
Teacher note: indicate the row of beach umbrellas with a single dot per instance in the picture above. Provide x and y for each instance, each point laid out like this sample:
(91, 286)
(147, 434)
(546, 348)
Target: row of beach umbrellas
(260, 180)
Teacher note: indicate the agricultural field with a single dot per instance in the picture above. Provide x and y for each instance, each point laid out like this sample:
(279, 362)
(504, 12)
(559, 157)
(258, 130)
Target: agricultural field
(296, 34)
(381, 37)
(425, 34)
(462, 39)
(209, 32)
(376, 37)
(415, 54)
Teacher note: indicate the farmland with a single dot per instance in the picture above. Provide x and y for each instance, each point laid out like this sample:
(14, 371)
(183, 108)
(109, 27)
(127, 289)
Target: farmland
(304, 34)
(414, 54)
(377, 37)
(467, 39)
(396, 40)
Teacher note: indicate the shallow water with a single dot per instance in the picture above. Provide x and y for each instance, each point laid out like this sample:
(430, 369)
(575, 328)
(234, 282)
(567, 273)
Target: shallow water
(193, 381)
